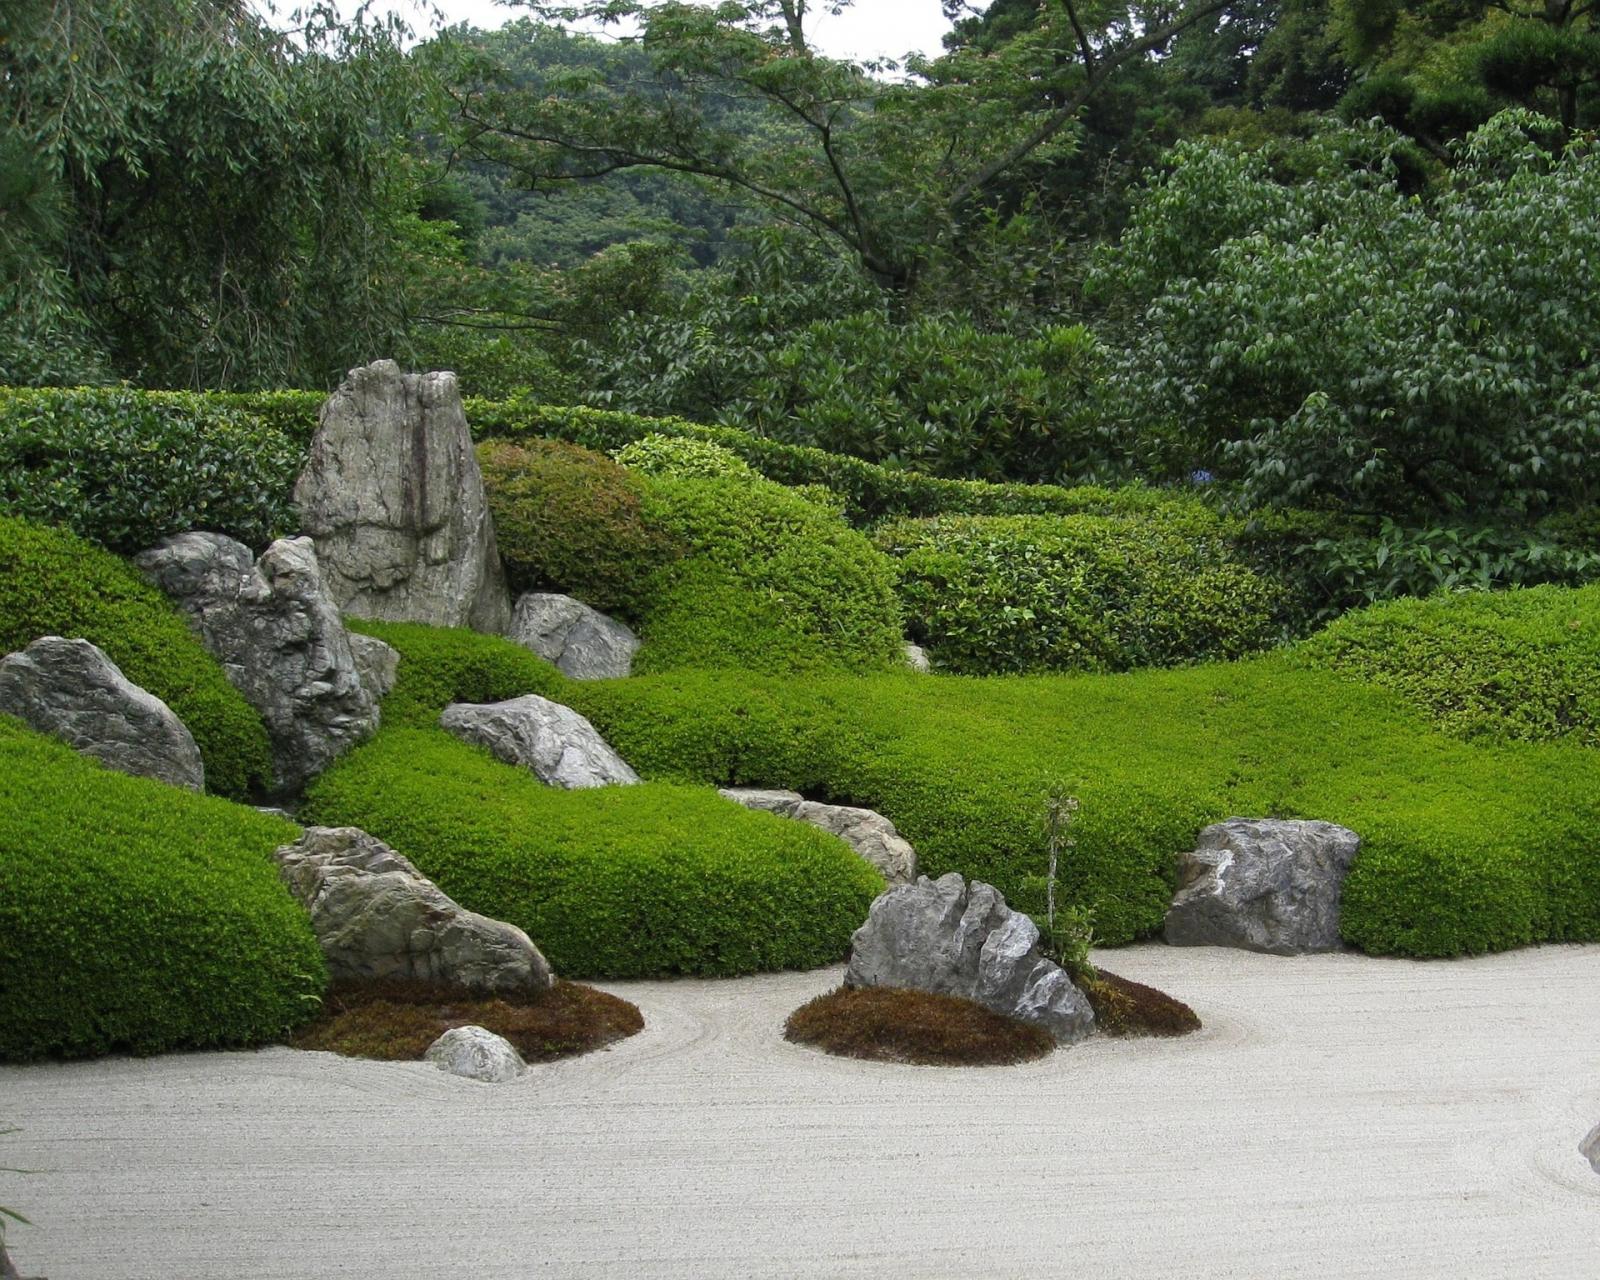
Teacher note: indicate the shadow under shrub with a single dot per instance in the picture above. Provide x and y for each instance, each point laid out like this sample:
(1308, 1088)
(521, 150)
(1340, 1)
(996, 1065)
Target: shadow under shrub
(890, 1024)
(139, 917)
(631, 881)
(52, 583)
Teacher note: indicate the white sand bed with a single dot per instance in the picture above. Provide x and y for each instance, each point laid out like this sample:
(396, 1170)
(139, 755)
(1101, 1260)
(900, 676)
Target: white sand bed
(1338, 1117)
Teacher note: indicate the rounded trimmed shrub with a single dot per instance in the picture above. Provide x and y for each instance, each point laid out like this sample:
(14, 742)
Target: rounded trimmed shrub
(52, 583)
(573, 521)
(617, 882)
(660, 455)
(139, 917)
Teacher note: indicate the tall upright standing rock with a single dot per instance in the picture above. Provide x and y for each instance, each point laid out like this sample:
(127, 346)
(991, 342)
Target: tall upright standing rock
(392, 496)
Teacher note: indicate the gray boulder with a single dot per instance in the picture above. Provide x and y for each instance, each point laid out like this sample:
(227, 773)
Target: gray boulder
(393, 497)
(917, 658)
(552, 741)
(870, 834)
(1264, 885)
(1590, 1147)
(950, 938)
(583, 643)
(377, 664)
(476, 1054)
(70, 690)
(278, 636)
(376, 916)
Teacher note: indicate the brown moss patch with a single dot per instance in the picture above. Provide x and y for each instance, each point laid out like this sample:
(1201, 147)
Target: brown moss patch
(885, 1024)
(1123, 1008)
(397, 1021)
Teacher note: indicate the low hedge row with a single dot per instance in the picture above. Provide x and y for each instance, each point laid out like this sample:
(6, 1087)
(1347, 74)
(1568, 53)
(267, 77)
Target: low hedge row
(138, 917)
(1521, 664)
(52, 583)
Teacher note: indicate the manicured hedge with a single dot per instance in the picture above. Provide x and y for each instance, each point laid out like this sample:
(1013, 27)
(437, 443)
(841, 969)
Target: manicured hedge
(138, 917)
(611, 882)
(988, 594)
(1521, 664)
(52, 583)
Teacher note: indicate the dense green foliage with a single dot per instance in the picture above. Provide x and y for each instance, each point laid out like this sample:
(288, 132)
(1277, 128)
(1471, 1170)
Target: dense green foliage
(994, 594)
(1516, 664)
(663, 455)
(572, 521)
(126, 470)
(52, 583)
(137, 917)
(611, 882)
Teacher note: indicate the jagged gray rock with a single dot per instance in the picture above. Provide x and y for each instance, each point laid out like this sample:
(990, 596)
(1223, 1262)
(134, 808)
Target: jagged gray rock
(393, 497)
(553, 742)
(376, 916)
(1590, 1147)
(476, 1054)
(950, 938)
(582, 642)
(70, 690)
(277, 634)
(1263, 884)
(377, 664)
(870, 834)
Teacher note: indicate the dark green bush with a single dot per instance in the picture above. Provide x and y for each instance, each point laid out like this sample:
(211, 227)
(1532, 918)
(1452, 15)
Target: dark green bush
(1079, 593)
(829, 591)
(52, 583)
(573, 521)
(609, 882)
(138, 917)
(1516, 664)
(127, 469)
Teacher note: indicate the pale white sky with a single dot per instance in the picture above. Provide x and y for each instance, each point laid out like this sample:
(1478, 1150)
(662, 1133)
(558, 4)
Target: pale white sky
(870, 29)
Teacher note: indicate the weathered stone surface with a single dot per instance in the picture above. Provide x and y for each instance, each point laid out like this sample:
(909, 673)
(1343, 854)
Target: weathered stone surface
(870, 834)
(552, 741)
(392, 495)
(954, 939)
(476, 1054)
(377, 664)
(583, 643)
(272, 626)
(376, 916)
(70, 690)
(1264, 885)
(1590, 1147)
(917, 658)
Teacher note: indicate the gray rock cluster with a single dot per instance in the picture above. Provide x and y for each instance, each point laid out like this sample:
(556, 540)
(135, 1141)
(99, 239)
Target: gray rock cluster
(376, 916)
(70, 690)
(377, 664)
(476, 1054)
(278, 636)
(1264, 885)
(393, 497)
(870, 834)
(553, 742)
(583, 643)
(950, 938)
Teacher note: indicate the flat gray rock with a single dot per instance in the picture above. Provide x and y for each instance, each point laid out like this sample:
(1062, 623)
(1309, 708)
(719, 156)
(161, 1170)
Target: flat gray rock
(870, 834)
(1264, 884)
(70, 690)
(376, 916)
(551, 741)
(582, 642)
(393, 497)
(275, 630)
(377, 664)
(476, 1054)
(950, 938)
(1590, 1147)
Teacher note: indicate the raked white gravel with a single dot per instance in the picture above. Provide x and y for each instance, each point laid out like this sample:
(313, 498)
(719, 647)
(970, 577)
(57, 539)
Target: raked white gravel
(1338, 1117)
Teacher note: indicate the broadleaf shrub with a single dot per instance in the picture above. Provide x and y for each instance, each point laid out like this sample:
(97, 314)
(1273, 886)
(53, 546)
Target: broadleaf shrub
(663, 455)
(53, 583)
(137, 917)
(617, 882)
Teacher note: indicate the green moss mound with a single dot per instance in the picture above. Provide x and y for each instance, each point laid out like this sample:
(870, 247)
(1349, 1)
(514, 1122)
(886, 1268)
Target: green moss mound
(138, 917)
(614, 882)
(52, 583)
(771, 580)
(1521, 664)
(991, 594)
